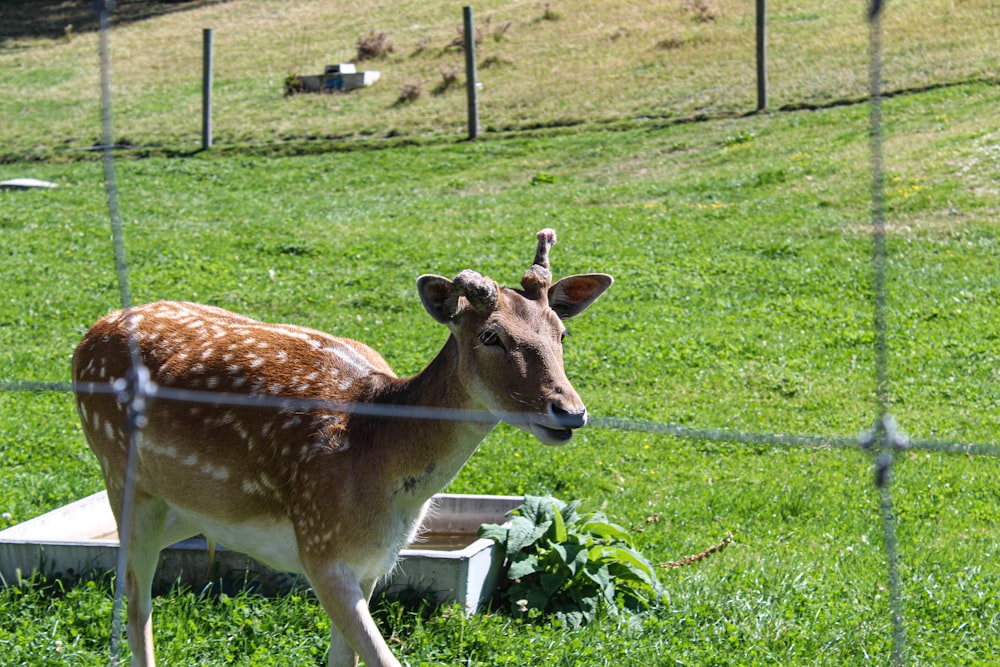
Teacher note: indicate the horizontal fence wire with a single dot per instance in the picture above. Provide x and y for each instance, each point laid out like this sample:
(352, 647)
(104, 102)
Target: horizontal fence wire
(862, 441)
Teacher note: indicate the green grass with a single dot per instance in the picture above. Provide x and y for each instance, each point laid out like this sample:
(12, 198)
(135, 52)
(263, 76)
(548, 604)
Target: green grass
(742, 301)
(601, 63)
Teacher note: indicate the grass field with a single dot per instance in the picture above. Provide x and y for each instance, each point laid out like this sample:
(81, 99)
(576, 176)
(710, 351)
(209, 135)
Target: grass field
(590, 63)
(743, 301)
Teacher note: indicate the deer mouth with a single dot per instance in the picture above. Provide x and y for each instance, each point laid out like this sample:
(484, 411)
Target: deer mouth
(551, 436)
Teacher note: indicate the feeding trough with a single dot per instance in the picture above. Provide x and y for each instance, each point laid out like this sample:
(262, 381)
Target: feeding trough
(338, 79)
(448, 561)
(25, 184)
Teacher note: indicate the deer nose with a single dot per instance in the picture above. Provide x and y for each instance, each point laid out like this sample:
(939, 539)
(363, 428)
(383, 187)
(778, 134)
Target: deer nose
(568, 418)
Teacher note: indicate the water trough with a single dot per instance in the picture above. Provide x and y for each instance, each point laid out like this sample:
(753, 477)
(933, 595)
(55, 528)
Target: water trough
(448, 562)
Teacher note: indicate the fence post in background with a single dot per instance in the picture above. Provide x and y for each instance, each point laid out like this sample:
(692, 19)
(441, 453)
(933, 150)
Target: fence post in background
(206, 89)
(470, 73)
(761, 55)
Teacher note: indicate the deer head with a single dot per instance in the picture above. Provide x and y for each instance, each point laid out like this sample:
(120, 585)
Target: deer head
(510, 341)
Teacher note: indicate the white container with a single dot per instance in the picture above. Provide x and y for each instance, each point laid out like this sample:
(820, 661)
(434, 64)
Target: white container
(81, 538)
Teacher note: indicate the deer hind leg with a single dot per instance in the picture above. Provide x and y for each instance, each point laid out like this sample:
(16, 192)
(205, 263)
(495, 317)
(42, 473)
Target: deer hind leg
(353, 631)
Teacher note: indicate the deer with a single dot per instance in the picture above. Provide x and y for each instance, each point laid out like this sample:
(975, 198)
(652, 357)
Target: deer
(280, 441)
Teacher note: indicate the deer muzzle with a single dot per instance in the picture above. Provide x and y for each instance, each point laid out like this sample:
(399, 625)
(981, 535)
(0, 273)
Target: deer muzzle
(556, 425)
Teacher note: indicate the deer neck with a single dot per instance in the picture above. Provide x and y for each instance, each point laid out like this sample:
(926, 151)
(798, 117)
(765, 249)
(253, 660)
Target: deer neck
(426, 453)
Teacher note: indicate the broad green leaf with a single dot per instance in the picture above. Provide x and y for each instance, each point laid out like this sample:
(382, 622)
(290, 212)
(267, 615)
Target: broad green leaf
(521, 534)
(523, 566)
(553, 581)
(599, 575)
(633, 561)
(560, 527)
(569, 511)
(572, 555)
(600, 526)
(495, 532)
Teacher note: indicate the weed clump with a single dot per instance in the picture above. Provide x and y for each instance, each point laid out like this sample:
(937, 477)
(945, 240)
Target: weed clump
(549, 14)
(374, 46)
(495, 61)
(423, 44)
(293, 84)
(409, 93)
(449, 79)
(497, 33)
(702, 11)
(458, 42)
(674, 41)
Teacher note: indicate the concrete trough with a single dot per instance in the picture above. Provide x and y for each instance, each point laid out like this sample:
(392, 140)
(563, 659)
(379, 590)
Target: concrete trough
(338, 79)
(449, 562)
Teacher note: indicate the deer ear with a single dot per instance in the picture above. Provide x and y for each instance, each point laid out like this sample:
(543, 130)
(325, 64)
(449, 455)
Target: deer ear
(439, 297)
(570, 296)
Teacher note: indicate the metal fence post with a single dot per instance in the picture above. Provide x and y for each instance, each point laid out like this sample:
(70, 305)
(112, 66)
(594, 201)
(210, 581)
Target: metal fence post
(761, 55)
(472, 92)
(206, 89)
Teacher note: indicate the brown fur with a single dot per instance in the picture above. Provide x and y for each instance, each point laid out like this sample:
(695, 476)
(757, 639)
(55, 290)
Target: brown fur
(315, 488)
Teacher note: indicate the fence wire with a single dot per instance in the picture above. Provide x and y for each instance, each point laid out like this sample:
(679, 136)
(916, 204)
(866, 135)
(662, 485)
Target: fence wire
(884, 440)
(132, 393)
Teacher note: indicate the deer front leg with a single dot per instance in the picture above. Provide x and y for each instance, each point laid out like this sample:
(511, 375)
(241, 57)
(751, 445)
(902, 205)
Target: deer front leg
(145, 537)
(353, 632)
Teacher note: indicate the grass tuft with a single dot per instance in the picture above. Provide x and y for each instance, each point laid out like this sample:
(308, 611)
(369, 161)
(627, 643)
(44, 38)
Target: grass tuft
(375, 45)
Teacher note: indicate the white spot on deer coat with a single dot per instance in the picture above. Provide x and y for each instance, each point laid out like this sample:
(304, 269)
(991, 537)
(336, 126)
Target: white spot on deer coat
(358, 365)
(220, 473)
(252, 488)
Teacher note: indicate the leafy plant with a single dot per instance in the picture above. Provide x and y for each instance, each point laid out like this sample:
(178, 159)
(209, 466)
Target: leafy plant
(741, 137)
(293, 84)
(570, 565)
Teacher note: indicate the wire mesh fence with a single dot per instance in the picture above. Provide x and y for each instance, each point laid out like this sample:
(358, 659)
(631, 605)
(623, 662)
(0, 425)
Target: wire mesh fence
(884, 439)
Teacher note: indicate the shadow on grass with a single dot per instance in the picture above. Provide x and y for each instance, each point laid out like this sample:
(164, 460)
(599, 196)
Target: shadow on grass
(56, 19)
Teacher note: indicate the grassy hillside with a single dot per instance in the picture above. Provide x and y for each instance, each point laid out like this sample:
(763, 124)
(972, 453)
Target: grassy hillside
(742, 301)
(741, 251)
(541, 64)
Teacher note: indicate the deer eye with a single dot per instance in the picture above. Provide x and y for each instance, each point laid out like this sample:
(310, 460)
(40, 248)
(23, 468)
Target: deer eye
(488, 337)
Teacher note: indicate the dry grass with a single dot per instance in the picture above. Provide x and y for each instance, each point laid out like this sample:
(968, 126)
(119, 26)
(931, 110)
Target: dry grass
(449, 80)
(376, 45)
(606, 60)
